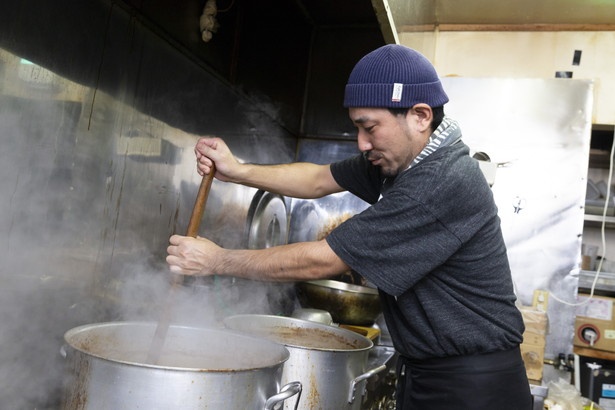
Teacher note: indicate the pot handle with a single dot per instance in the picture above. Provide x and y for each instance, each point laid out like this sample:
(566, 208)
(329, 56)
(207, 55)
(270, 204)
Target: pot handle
(379, 357)
(286, 392)
(359, 379)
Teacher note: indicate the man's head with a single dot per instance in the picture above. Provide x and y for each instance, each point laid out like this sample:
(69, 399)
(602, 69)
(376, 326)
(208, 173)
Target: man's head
(390, 95)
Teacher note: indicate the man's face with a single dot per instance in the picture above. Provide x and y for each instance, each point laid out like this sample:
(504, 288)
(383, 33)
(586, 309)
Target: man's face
(390, 141)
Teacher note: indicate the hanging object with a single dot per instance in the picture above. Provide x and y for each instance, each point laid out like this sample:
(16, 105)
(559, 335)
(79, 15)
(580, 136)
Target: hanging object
(208, 23)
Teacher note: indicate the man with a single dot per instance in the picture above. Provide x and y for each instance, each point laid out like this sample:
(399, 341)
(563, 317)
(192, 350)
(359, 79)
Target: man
(431, 241)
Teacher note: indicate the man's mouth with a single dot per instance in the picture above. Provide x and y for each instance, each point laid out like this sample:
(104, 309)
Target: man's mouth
(372, 157)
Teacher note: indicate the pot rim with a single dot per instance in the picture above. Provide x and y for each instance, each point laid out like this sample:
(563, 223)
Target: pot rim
(68, 335)
(348, 287)
(368, 343)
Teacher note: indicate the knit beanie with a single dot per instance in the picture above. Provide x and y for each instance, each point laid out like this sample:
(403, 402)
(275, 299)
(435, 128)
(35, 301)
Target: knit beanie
(394, 76)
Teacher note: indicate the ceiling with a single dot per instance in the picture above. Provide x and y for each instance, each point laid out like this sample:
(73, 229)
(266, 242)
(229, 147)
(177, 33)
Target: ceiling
(407, 14)
(339, 12)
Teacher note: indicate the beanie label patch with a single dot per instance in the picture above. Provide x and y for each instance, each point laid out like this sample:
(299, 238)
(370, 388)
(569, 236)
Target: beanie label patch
(398, 89)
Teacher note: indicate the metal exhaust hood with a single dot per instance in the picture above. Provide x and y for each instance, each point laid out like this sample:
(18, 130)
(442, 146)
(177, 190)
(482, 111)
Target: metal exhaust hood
(386, 21)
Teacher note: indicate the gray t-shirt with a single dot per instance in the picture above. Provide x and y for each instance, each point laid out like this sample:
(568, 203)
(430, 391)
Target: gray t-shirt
(434, 248)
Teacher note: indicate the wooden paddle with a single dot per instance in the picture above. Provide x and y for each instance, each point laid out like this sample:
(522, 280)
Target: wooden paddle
(193, 229)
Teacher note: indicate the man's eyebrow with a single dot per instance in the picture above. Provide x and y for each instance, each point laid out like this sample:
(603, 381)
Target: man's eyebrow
(361, 120)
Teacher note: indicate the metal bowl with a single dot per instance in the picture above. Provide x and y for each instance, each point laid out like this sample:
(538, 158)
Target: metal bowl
(313, 315)
(347, 303)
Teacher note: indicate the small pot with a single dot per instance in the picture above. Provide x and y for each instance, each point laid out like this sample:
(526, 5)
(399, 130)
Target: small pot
(348, 304)
(330, 362)
(199, 368)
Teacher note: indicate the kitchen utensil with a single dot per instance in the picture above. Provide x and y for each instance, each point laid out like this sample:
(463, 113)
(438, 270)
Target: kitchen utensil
(198, 369)
(348, 304)
(329, 362)
(313, 315)
(193, 230)
(267, 223)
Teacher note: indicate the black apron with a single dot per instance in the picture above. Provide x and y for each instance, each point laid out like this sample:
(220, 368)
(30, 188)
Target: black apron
(492, 381)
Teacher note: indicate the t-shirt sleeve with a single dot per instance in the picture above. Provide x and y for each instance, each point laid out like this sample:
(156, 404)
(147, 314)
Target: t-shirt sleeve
(394, 243)
(359, 177)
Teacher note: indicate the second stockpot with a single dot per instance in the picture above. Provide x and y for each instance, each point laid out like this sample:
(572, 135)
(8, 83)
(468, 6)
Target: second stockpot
(330, 362)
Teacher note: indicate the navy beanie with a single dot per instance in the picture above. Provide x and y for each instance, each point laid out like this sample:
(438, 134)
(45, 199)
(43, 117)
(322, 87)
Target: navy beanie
(394, 76)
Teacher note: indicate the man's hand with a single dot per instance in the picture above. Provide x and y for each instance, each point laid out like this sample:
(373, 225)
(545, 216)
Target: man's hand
(210, 150)
(191, 256)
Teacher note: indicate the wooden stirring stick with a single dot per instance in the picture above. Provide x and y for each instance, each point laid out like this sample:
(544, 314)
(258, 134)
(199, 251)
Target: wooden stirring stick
(193, 229)
(199, 204)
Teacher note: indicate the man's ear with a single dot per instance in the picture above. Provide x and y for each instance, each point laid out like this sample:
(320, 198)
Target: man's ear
(424, 115)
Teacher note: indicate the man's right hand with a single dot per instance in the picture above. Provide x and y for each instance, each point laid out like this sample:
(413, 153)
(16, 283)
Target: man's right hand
(210, 150)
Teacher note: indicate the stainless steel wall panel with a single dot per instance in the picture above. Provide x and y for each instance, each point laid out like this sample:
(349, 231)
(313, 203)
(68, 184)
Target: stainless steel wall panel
(538, 131)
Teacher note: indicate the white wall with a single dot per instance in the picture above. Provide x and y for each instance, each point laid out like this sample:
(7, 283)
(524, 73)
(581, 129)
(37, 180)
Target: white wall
(531, 55)
(525, 55)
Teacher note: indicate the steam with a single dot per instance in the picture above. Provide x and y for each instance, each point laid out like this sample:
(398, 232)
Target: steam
(197, 301)
(40, 293)
(86, 213)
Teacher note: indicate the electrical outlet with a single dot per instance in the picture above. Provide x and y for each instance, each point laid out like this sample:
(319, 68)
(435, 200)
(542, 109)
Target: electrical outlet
(541, 300)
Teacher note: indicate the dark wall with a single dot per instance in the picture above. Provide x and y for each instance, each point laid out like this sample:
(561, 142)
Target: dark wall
(274, 58)
(335, 52)
(114, 47)
(261, 48)
(88, 200)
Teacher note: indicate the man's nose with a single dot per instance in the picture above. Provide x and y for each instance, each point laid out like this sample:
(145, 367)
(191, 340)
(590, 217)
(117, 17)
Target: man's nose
(363, 143)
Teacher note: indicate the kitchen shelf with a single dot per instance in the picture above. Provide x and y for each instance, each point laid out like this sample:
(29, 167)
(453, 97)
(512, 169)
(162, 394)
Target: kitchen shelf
(605, 285)
(599, 159)
(596, 221)
(600, 146)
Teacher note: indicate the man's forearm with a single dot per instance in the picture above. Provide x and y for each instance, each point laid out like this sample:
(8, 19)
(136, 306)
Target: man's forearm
(292, 262)
(297, 180)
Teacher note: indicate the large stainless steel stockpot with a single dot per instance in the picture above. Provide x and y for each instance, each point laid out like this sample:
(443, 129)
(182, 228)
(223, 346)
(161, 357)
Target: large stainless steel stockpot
(197, 369)
(330, 362)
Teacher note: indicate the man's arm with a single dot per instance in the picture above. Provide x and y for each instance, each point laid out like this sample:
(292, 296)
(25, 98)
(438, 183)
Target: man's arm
(296, 261)
(298, 180)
